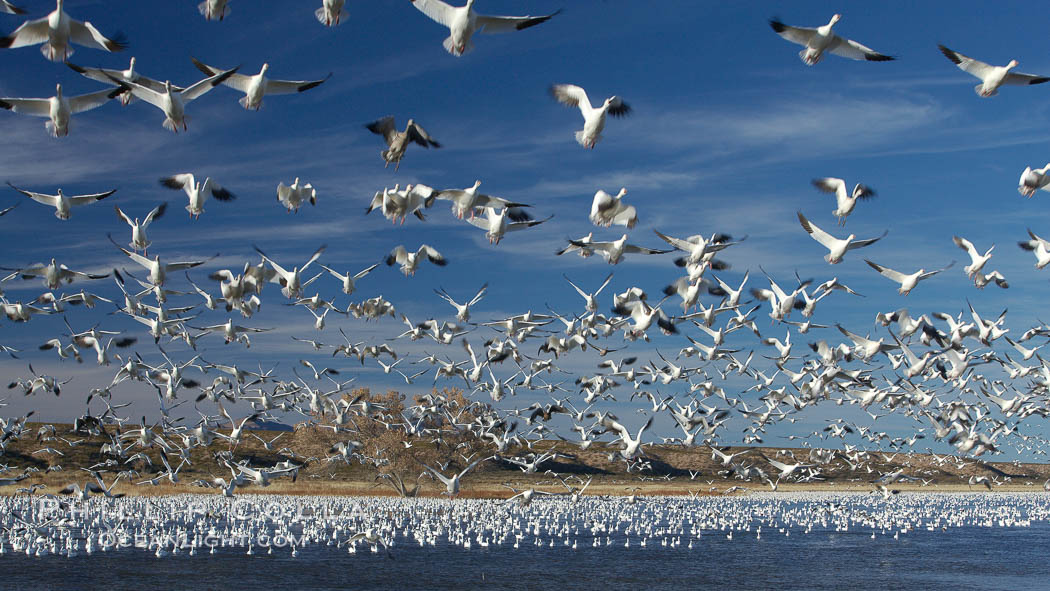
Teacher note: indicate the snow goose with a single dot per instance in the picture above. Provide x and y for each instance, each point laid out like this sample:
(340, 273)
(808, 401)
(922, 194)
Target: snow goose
(59, 109)
(409, 261)
(496, 225)
(837, 248)
(608, 210)
(581, 245)
(464, 201)
(700, 250)
(139, 241)
(613, 251)
(590, 299)
(62, 202)
(992, 77)
(399, 204)
(1039, 246)
(53, 274)
(452, 482)
(821, 39)
(257, 86)
(977, 260)
(980, 280)
(332, 12)
(158, 271)
(57, 31)
(844, 203)
(463, 22)
(463, 310)
(214, 10)
(348, 279)
(129, 75)
(8, 8)
(397, 141)
(1033, 179)
(908, 282)
(292, 197)
(173, 101)
(197, 192)
(291, 281)
(593, 118)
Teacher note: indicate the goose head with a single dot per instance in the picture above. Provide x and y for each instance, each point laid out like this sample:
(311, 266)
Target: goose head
(58, 91)
(265, 67)
(834, 19)
(623, 191)
(130, 72)
(1011, 65)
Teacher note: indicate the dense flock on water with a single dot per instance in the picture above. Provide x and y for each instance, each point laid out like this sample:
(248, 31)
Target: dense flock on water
(734, 352)
(290, 525)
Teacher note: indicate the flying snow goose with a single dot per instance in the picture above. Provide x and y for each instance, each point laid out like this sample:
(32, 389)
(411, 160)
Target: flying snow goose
(822, 39)
(173, 101)
(700, 250)
(291, 281)
(1039, 246)
(837, 248)
(58, 109)
(197, 192)
(582, 245)
(844, 203)
(8, 8)
(332, 13)
(908, 282)
(613, 251)
(1033, 179)
(214, 10)
(409, 261)
(463, 22)
(129, 75)
(992, 77)
(399, 204)
(53, 274)
(465, 201)
(295, 195)
(139, 241)
(62, 202)
(257, 86)
(397, 141)
(977, 260)
(158, 271)
(609, 210)
(593, 118)
(57, 31)
(496, 225)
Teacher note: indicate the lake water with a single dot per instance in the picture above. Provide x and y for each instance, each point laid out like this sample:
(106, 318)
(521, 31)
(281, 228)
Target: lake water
(920, 541)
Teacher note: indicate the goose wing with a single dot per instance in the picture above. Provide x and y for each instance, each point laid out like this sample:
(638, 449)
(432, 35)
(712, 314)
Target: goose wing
(293, 86)
(571, 95)
(86, 102)
(799, 35)
(851, 49)
(507, 24)
(39, 107)
(887, 272)
(866, 242)
(30, 33)
(385, 127)
(84, 33)
(437, 10)
(816, 233)
(967, 64)
(417, 134)
(85, 199)
(196, 90)
(51, 200)
(237, 81)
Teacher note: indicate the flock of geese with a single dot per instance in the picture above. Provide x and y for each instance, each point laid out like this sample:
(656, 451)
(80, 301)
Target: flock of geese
(962, 379)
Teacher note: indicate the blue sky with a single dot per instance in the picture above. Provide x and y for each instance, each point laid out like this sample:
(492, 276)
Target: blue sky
(728, 129)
